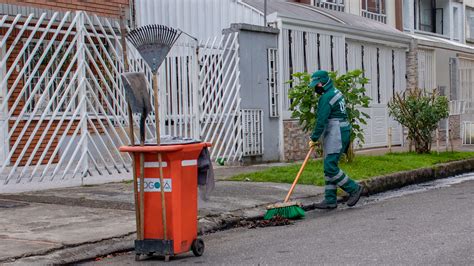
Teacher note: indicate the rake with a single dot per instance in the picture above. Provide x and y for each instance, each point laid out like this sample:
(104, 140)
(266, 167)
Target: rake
(153, 43)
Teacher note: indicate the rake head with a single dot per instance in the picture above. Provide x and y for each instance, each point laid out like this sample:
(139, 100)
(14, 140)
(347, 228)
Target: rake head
(153, 42)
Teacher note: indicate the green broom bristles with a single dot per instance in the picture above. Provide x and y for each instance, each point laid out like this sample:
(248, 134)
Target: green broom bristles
(289, 211)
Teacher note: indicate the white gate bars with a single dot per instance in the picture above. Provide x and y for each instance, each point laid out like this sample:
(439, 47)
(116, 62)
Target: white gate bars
(220, 116)
(63, 110)
(63, 103)
(468, 133)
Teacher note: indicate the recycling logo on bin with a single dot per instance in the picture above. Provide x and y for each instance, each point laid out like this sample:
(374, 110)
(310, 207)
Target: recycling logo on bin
(154, 185)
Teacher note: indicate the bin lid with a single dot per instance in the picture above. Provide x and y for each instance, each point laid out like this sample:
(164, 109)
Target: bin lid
(173, 140)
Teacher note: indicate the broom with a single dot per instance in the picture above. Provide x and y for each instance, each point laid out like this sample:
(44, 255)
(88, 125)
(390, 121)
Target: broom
(289, 209)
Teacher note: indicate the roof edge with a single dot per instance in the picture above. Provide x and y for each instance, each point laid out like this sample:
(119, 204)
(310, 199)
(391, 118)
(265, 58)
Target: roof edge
(348, 29)
(250, 27)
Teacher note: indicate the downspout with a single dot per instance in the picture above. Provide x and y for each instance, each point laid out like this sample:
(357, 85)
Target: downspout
(265, 13)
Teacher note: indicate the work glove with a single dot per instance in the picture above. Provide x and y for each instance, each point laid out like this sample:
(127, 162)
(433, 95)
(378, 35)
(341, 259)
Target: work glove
(313, 144)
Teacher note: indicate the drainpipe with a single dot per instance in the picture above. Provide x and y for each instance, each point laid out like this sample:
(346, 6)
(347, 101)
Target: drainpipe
(265, 13)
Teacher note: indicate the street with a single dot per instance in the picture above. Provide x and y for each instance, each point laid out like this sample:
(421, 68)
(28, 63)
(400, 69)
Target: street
(426, 227)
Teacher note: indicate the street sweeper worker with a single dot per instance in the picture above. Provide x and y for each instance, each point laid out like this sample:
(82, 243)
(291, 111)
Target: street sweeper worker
(334, 130)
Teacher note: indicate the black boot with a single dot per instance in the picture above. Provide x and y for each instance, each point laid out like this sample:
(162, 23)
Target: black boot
(325, 205)
(354, 197)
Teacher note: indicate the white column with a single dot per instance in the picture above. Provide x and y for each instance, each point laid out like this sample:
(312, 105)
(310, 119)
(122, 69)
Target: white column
(390, 10)
(408, 15)
(353, 7)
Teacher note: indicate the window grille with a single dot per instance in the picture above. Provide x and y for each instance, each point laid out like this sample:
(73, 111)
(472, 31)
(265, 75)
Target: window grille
(252, 127)
(273, 82)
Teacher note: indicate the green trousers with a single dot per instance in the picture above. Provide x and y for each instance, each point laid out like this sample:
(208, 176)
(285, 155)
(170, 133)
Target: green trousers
(335, 177)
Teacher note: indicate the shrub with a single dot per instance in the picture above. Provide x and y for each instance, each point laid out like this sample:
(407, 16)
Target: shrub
(420, 112)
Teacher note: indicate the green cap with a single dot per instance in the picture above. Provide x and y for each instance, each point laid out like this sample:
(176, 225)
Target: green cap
(319, 76)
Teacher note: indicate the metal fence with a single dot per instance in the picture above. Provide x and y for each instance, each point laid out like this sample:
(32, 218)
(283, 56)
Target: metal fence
(62, 105)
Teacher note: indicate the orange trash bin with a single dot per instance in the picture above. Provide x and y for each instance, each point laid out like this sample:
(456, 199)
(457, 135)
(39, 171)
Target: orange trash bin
(180, 171)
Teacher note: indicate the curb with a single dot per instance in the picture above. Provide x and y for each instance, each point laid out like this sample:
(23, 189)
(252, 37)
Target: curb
(401, 179)
(213, 223)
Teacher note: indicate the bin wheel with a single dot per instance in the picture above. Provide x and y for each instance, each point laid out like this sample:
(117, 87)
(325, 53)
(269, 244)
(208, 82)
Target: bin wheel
(198, 247)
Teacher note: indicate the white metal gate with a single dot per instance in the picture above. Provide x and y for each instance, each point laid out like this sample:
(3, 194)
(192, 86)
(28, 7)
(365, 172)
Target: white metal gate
(308, 50)
(220, 117)
(426, 69)
(65, 112)
(65, 107)
(466, 78)
(385, 68)
(467, 133)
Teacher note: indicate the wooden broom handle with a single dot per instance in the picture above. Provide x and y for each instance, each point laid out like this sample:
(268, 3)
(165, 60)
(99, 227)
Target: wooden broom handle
(160, 159)
(299, 174)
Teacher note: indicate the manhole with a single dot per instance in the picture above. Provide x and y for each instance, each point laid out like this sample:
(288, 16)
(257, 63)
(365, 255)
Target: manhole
(7, 204)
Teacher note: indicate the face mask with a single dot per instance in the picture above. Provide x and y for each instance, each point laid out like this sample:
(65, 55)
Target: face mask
(319, 89)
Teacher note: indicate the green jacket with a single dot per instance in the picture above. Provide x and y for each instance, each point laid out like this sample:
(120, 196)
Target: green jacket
(331, 105)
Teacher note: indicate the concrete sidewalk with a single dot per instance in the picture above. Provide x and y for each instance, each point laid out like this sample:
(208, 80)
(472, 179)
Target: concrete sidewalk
(71, 224)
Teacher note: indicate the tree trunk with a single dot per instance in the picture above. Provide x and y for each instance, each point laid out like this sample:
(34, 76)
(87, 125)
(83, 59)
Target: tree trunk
(350, 152)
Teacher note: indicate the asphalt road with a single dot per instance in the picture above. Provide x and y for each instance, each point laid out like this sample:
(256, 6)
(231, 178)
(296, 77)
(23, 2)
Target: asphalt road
(430, 227)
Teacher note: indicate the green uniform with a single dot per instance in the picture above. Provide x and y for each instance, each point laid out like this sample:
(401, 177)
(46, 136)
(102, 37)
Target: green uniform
(332, 126)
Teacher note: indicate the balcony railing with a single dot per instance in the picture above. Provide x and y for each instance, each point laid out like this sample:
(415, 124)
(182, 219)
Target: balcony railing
(375, 16)
(331, 6)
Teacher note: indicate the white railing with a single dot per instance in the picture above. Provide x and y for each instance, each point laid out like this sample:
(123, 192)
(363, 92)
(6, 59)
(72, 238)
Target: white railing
(339, 6)
(64, 112)
(468, 133)
(375, 16)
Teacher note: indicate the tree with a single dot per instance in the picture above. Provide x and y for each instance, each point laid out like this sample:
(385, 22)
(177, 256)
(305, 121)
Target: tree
(420, 112)
(304, 101)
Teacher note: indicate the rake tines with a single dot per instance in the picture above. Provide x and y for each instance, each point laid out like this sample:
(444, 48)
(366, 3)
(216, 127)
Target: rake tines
(153, 42)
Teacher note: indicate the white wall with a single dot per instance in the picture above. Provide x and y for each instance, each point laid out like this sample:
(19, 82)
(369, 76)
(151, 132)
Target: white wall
(200, 18)
(469, 3)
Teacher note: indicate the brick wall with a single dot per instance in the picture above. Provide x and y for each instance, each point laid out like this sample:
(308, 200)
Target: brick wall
(454, 126)
(295, 141)
(104, 8)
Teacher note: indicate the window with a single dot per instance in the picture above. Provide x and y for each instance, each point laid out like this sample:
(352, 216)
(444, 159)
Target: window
(252, 130)
(470, 23)
(374, 9)
(456, 33)
(272, 82)
(428, 16)
(374, 6)
(337, 5)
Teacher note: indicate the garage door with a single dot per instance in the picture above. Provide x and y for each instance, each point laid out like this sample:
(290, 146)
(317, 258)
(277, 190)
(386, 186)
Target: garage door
(384, 66)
